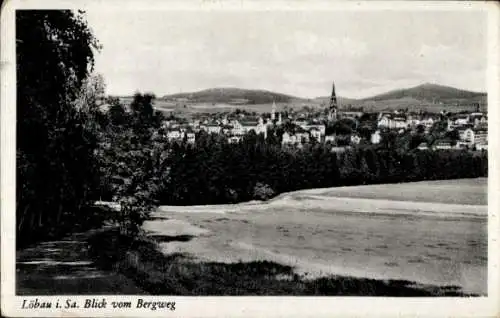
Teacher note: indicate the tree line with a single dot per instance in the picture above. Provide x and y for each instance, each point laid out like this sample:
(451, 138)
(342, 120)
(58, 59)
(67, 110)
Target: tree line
(213, 171)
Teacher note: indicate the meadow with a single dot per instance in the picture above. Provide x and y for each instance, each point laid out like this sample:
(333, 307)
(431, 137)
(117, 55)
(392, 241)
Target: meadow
(429, 233)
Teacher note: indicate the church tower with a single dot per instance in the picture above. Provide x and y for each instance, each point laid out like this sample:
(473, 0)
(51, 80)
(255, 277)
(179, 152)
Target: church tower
(332, 108)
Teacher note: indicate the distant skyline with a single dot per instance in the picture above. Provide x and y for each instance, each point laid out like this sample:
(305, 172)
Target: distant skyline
(298, 53)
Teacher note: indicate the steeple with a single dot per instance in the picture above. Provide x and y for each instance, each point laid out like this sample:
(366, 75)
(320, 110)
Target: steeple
(273, 111)
(332, 109)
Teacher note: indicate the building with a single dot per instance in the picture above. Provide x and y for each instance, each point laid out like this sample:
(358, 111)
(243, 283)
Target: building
(213, 128)
(376, 137)
(319, 127)
(442, 145)
(412, 121)
(480, 136)
(330, 138)
(339, 149)
(247, 126)
(466, 134)
(234, 139)
(302, 123)
(261, 128)
(333, 106)
(473, 136)
(316, 133)
(461, 120)
(423, 146)
(174, 135)
(288, 139)
(427, 122)
(302, 137)
(190, 137)
(355, 139)
(392, 122)
(478, 119)
(351, 115)
(237, 129)
(482, 147)
(462, 145)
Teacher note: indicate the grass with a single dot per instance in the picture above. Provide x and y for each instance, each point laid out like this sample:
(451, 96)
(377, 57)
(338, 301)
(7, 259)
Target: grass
(140, 259)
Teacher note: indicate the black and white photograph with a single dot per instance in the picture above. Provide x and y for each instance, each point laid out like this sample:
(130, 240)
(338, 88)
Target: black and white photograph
(211, 150)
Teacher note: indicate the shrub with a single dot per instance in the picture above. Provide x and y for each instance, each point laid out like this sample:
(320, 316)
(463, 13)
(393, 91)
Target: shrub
(262, 192)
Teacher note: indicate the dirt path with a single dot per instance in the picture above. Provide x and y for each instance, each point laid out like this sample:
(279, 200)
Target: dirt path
(65, 267)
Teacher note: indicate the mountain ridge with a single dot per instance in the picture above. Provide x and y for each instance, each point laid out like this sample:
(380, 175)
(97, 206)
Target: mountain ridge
(428, 92)
(233, 95)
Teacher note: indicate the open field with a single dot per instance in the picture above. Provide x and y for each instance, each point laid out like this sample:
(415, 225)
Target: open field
(374, 106)
(427, 232)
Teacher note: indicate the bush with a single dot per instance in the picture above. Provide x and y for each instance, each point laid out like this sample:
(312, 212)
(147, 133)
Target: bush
(262, 192)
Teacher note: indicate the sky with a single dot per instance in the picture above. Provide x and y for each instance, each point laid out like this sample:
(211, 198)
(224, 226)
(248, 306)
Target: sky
(293, 52)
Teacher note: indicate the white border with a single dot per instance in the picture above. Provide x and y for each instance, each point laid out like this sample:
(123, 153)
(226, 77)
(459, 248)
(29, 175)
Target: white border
(250, 306)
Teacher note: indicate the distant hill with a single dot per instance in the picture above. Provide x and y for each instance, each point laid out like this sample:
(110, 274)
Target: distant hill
(429, 97)
(430, 92)
(232, 96)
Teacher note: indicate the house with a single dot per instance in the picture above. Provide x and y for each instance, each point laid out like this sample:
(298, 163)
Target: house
(247, 126)
(175, 135)
(391, 122)
(423, 146)
(412, 121)
(301, 123)
(213, 128)
(238, 129)
(355, 139)
(383, 114)
(234, 139)
(315, 133)
(466, 134)
(442, 144)
(330, 138)
(353, 115)
(375, 137)
(462, 145)
(473, 136)
(321, 128)
(339, 149)
(191, 137)
(288, 139)
(480, 136)
(261, 128)
(478, 119)
(427, 122)
(481, 146)
(226, 129)
(302, 137)
(461, 120)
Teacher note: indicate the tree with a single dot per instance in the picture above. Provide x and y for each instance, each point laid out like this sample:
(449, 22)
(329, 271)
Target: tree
(453, 135)
(117, 113)
(55, 138)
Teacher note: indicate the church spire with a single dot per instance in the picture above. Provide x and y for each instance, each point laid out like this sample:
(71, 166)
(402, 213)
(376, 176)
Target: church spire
(332, 111)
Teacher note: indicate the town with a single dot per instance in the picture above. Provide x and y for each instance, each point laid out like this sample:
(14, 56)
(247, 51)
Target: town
(336, 127)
